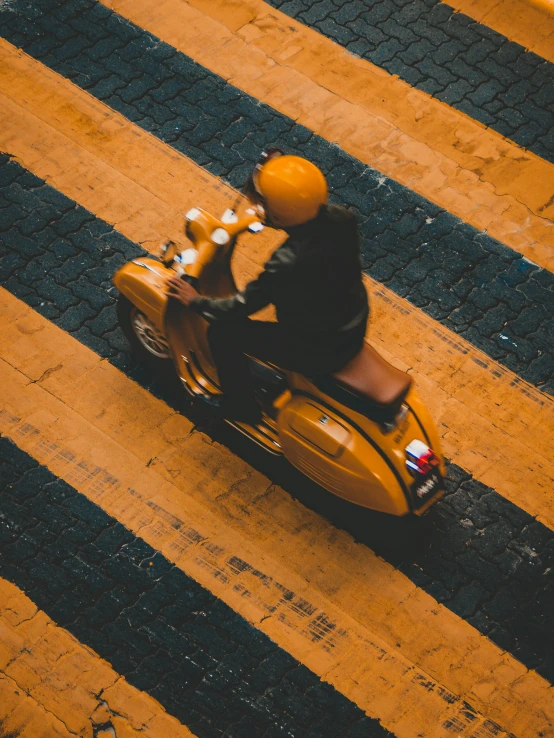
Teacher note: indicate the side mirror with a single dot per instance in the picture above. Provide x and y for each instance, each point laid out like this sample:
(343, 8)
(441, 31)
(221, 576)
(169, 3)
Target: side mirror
(168, 252)
(256, 227)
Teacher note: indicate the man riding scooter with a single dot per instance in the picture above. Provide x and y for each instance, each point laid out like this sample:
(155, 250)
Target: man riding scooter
(340, 413)
(314, 280)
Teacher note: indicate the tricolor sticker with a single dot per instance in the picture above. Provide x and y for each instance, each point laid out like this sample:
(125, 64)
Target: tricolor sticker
(423, 464)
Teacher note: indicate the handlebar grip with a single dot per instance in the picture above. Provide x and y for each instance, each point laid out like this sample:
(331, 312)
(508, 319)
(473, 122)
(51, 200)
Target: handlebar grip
(189, 278)
(193, 281)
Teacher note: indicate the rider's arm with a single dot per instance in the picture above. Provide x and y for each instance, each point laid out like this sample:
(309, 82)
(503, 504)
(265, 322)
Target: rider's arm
(256, 295)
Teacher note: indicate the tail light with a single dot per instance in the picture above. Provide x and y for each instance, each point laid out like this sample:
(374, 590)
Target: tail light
(420, 458)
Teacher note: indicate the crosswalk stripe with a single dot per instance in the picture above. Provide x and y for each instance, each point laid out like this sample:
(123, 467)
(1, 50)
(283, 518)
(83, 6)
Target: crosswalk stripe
(54, 687)
(102, 442)
(460, 276)
(527, 22)
(478, 553)
(161, 630)
(493, 424)
(420, 142)
(461, 62)
(396, 706)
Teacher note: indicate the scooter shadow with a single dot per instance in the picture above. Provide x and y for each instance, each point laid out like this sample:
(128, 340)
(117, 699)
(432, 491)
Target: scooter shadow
(398, 540)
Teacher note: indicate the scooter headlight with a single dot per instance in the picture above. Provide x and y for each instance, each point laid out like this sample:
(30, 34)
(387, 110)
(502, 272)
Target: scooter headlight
(168, 252)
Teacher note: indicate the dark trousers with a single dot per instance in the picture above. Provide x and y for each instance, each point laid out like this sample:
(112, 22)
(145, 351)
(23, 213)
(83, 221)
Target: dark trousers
(271, 342)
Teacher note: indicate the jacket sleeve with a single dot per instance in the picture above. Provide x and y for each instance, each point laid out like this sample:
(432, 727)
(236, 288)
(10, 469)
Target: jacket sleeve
(256, 295)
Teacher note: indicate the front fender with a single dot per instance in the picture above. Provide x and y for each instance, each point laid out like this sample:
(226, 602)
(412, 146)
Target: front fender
(143, 282)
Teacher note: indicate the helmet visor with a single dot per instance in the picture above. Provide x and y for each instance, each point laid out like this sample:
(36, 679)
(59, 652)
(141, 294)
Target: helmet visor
(254, 197)
(265, 156)
(251, 188)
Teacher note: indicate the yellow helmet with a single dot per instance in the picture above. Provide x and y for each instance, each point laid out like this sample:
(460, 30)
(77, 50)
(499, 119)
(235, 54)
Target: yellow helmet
(288, 189)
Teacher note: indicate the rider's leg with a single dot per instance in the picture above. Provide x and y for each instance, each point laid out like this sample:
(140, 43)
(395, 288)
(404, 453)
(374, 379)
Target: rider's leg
(229, 342)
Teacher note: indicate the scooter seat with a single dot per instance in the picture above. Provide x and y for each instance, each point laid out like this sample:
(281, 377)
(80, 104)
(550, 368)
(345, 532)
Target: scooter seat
(370, 375)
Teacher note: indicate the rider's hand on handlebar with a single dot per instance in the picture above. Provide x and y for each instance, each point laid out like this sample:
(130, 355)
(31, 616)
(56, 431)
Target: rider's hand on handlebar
(181, 290)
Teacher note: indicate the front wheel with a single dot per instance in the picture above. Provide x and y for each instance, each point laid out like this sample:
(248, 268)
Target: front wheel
(147, 341)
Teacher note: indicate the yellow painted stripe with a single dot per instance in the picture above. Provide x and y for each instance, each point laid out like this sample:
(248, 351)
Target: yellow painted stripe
(393, 650)
(51, 686)
(493, 424)
(527, 22)
(547, 6)
(439, 152)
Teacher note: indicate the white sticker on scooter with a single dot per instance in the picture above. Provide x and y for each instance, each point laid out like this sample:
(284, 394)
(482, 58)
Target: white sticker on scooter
(188, 256)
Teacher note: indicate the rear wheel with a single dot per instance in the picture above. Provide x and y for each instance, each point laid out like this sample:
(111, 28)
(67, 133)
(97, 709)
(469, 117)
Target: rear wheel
(147, 341)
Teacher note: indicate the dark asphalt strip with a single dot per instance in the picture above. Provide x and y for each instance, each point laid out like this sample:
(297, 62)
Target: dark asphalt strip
(450, 56)
(157, 627)
(476, 552)
(461, 277)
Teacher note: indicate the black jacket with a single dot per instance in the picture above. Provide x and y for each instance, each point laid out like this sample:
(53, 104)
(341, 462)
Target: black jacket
(315, 282)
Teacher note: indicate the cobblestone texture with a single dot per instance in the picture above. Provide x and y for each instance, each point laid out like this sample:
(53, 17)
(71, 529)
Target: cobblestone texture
(476, 286)
(450, 56)
(492, 564)
(157, 627)
(479, 554)
(475, 552)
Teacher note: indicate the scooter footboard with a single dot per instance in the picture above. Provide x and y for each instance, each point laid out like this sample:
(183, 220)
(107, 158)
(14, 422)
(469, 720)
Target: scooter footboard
(341, 457)
(142, 281)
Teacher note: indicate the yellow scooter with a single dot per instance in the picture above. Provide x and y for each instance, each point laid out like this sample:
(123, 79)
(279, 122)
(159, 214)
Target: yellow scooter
(363, 433)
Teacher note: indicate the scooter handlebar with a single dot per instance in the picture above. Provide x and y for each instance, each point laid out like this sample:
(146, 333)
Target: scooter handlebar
(210, 234)
(242, 224)
(205, 252)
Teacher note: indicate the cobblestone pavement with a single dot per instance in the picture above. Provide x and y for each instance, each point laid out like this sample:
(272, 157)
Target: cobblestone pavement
(476, 286)
(478, 566)
(481, 556)
(160, 629)
(449, 55)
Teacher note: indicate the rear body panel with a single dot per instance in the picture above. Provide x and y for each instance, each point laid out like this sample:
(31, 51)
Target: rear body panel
(356, 458)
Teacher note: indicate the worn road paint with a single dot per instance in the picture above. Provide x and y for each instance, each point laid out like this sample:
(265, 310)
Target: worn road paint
(52, 686)
(493, 424)
(420, 142)
(527, 22)
(351, 618)
(162, 631)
